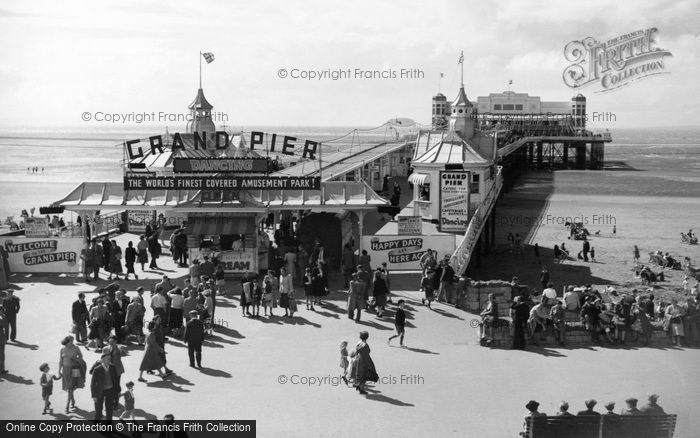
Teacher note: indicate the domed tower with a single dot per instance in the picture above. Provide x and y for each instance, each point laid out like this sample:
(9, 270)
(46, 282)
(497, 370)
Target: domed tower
(578, 111)
(441, 111)
(462, 116)
(200, 115)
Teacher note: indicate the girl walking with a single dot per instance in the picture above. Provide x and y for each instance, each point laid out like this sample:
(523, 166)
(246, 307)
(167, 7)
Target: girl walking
(267, 300)
(344, 362)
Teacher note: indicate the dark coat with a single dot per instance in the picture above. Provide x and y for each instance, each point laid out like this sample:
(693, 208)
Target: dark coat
(194, 332)
(130, 254)
(79, 312)
(99, 374)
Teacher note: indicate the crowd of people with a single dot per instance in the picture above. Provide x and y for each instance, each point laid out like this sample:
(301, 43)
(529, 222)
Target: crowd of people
(606, 314)
(650, 408)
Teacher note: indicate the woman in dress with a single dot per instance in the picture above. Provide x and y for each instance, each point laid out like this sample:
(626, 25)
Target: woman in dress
(363, 369)
(115, 260)
(152, 355)
(308, 293)
(674, 315)
(286, 292)
(220, 278)
(290, 262)
(142, 248)
(154, 248)
(71, 368)
(135, 312)
(129, 260)
(98, 322)
(380, 293)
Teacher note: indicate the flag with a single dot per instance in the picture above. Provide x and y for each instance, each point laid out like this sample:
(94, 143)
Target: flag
(461, 58)
(209, 57)
(510, 82)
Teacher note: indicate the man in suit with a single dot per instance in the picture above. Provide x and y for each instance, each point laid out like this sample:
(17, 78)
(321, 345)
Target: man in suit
(586, 249)
(3, 338)
(115, 358)
(80, 316)
(631, 407)
(652, 408)
(194, 336)
(590, 404)
(103, 386)
(118, 309)
(11, 305)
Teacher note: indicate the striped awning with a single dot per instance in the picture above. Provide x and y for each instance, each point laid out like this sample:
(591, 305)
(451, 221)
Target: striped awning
(220, 225)
(419, 179)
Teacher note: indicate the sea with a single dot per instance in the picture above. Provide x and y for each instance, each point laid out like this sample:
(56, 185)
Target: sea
(639, 162)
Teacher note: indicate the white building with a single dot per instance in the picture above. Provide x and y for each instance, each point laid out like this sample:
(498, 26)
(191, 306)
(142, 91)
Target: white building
(510, 102)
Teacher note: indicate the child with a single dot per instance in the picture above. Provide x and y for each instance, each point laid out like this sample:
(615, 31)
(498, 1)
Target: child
(307, 289)
(344, 363)
(399, 323)
(47, 386)
(128, 402)
(427, 284)
(257, 298)
(267, 296)
(351, 362)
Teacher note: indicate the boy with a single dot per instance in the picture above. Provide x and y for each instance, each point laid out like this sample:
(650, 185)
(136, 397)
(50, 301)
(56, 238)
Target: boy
(400, 323)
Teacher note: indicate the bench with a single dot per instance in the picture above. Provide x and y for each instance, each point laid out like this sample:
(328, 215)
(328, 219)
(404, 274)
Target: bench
(604, 426)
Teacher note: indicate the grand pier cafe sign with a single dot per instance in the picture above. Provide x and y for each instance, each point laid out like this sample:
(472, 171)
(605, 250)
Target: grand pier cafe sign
(226, 174)
(616, 62)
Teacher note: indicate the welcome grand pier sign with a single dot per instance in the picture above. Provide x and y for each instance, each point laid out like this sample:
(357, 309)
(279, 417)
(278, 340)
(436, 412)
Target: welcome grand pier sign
(226, 174)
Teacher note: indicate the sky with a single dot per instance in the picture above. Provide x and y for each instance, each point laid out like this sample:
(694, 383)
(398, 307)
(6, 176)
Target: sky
(59, 60)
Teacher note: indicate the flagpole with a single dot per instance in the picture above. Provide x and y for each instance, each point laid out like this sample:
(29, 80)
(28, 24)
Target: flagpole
(200, 69)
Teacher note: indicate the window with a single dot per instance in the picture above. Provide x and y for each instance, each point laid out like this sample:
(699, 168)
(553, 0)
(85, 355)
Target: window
(474, 186)
(496, 106)
(424, 194)
(518, 107)
(461, 111)
(507, 107)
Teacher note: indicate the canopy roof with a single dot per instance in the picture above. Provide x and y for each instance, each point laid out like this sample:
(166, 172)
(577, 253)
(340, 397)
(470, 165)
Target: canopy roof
(451, 149)
(111, 195)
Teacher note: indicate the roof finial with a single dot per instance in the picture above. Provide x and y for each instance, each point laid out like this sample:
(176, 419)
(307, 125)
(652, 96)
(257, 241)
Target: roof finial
(461, 62)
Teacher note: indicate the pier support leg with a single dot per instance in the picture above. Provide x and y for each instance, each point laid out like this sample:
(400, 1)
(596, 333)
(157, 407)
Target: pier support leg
(539, 155)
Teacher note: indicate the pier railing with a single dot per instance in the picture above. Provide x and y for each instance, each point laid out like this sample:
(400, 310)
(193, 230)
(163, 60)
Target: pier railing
(462, 255)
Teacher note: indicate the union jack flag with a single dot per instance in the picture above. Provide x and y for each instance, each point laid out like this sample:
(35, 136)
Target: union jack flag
(209, 57)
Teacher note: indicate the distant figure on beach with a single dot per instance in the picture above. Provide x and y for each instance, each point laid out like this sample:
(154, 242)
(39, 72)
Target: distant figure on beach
(614, 229)
(586, 249)
(537, 253)
(592, 254)
(518, 242)
(511, 242)
(636, 254)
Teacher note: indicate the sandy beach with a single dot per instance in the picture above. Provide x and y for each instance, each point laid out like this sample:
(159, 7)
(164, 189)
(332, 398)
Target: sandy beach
(542, 202)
